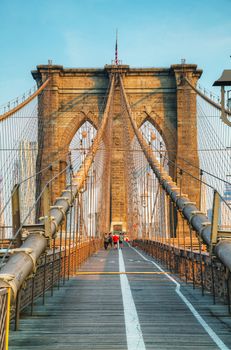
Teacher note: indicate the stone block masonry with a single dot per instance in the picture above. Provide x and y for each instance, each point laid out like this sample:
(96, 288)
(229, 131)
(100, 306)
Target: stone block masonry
(76, 95)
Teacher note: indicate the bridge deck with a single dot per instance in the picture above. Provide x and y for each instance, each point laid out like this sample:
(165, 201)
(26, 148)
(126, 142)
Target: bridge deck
(95, 311)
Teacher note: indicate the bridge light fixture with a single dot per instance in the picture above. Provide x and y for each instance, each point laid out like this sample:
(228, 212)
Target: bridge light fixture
(84, 134)
(153, 136)
(228, 100)
(144, 197)
(223, 81)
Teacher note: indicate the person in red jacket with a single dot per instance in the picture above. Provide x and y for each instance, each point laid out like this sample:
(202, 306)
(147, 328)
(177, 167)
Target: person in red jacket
(115, 240)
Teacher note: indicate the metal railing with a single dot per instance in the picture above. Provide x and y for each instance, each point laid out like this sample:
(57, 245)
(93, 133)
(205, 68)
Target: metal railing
(54, 268)
(197, 268)
(4, 317)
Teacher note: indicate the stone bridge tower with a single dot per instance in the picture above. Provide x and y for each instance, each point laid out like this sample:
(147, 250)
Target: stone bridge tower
(75, 95)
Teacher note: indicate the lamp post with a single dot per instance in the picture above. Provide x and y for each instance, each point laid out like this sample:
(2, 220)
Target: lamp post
(228, 100)
(223, 81)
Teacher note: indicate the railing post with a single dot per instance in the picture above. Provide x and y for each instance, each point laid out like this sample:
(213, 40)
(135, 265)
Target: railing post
(228, 282)
(17, 310)
(223, 115)
(60, 254)
(200, 191)
(53, 267)
(69, 244)
(44, 278)
(201, 267)
(7, 321)
(32, 296)
(215, 220)
(192, 257)
(213, 281)
(65, 253)
(46, 212)
(15, 201)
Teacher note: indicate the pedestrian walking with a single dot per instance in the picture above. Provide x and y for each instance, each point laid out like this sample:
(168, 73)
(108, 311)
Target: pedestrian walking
(110, 239)
(106, 241)
(121, 241)
(115, 241)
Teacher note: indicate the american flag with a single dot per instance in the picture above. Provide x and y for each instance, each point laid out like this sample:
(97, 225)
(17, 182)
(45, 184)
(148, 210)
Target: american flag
(116, 49)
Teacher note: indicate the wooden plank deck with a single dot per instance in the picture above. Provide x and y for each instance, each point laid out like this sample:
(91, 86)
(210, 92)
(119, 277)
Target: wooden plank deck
(88, 312)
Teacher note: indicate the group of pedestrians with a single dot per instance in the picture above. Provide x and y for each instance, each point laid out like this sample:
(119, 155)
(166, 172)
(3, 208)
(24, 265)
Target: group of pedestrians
(112, 240)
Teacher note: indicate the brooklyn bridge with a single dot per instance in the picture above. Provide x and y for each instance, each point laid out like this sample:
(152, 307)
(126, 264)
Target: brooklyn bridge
(143, 154)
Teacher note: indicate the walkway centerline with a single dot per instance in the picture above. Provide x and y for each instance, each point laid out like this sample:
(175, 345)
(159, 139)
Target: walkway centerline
(133, 330)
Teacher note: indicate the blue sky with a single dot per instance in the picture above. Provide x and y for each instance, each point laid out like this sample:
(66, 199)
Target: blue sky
(81, 33)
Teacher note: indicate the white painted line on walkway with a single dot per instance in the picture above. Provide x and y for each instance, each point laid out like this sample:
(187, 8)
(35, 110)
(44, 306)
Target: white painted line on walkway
(133, 330)
(203, 323)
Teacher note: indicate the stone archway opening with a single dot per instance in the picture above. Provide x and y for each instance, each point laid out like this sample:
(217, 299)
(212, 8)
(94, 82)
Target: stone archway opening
(150, 217)
(90, 197)
(80, 144)
(164, 142)
(157, 143)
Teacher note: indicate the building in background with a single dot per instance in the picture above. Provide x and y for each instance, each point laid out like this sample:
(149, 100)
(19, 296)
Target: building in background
(227, 193)
(226, 207)
(2, 221)
(26, 170)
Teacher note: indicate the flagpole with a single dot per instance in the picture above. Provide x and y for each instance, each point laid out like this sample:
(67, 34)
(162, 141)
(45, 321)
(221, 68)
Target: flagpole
(116, 49)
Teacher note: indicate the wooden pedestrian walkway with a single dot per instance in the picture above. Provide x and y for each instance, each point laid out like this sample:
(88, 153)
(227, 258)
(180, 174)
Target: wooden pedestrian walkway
(143, 309)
